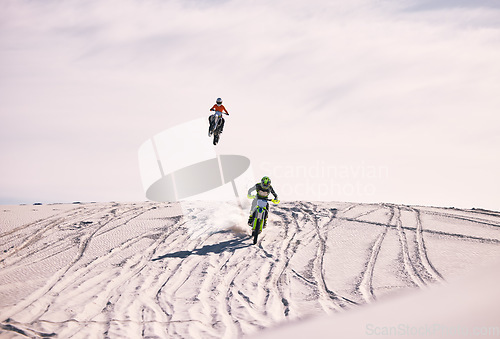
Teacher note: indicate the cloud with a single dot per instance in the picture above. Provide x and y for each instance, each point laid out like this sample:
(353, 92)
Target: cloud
(344, 82)
(449, 4)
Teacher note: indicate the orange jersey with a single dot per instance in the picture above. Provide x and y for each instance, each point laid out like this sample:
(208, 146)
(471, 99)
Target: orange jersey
(218, 108)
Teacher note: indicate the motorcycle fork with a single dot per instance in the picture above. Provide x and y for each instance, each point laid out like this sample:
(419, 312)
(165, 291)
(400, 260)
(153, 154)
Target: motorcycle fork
(259, 217)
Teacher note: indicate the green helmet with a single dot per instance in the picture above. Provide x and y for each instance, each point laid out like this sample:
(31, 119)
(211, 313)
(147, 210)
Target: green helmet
(265, 182)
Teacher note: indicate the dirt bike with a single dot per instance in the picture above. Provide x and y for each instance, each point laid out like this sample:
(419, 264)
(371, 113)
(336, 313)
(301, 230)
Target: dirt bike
(260, 215)
(215, 130)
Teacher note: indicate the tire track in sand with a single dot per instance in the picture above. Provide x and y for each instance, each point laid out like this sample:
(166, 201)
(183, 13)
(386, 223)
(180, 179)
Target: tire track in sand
(328, 299)
(41, 227)
(365, 286)
(407, 262)
(39, 300)
(422, 251)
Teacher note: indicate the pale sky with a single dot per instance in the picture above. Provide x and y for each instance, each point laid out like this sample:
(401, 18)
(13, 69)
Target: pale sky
(364, 101)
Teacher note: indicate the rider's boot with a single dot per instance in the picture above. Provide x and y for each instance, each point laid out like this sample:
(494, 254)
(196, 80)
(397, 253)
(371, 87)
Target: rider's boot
(210, 131)
(211, 121)
(250, 220)
(265, 219)
(221, 126)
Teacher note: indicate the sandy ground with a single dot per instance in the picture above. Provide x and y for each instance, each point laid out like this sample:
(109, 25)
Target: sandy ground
(170, 271)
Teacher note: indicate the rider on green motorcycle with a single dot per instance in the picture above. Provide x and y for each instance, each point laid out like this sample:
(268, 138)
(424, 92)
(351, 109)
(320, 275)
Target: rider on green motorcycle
(263, 189)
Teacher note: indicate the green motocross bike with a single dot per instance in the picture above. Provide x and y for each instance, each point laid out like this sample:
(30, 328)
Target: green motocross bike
(260, 215)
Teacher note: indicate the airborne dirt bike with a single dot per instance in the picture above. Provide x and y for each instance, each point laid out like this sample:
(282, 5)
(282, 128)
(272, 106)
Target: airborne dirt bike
(215, 130)
(259, 215)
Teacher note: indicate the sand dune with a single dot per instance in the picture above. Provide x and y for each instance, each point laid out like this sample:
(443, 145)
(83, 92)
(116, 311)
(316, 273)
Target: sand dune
(191, 271)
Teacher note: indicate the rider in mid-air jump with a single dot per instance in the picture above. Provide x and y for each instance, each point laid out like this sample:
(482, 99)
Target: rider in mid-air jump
(218, 109)
(263, 189)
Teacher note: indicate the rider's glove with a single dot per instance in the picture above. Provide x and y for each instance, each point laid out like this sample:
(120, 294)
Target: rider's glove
(249, 196)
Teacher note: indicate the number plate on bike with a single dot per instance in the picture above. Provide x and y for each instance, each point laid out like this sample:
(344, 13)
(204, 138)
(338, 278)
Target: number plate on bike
(261, 203)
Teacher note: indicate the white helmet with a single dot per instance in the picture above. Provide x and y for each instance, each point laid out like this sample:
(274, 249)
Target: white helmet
(219, 101)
